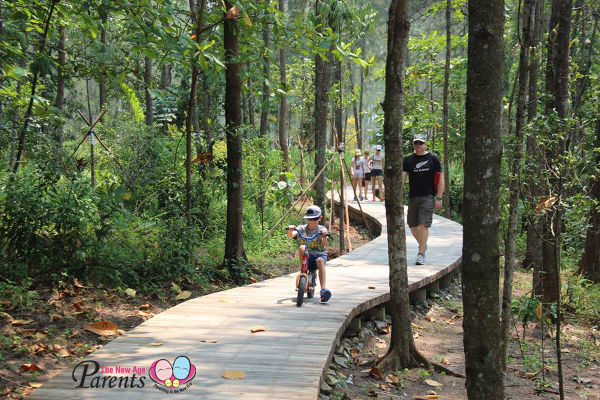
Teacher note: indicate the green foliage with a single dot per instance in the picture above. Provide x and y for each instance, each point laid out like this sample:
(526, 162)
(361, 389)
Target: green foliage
(19, 294)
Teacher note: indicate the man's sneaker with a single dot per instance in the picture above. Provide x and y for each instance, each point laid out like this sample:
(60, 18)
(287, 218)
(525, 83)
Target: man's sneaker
(420, 259)
(325, 295)
(360, 197)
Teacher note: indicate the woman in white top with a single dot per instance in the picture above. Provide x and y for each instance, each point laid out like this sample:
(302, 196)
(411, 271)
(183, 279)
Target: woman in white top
(358, 173)
(377, 171)
(367, 177)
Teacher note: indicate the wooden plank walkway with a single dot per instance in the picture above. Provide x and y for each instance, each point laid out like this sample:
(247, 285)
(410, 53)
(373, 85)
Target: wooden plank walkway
(289, 359)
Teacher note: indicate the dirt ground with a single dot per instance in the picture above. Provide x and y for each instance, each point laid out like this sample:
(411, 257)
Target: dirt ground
(37, 343)
(437, 329)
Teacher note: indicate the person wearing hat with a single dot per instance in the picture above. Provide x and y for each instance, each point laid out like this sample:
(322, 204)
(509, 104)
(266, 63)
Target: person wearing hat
(423, 168)
(358, 173)
(377, 171)
(317, 249)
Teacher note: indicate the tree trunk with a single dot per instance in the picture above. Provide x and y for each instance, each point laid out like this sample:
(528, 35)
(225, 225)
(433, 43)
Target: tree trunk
(515, 174)
(34, 82)
(283, 140)
(480, 268)
(197, 18)
(557, 76)
(147, 87)
(533, 252)
(337, 77)
(402, 352)
(234, 244)
(589, 265)
(359, 143)
(360, 103)
(264, 113)
(165, 76)
(445, 109)
(59, 103)
(322, 86)
(102, 78)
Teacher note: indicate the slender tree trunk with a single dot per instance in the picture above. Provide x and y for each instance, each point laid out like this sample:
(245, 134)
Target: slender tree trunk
(264, 114)
(359, 143)
(533, 252)
(402, 352)
(34, 82)
(322, 86)
(515, 175)
(59, 103)
(165, 76)
(283, 140)
(337, 77)
(102, 78)
(589, 265)
(234, 244)
(360, 103)
(197, 14)
(480, 268)
(148, 86)
(445, 109)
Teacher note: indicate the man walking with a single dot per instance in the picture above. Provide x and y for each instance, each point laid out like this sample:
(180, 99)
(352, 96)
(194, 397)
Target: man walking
(424, 168)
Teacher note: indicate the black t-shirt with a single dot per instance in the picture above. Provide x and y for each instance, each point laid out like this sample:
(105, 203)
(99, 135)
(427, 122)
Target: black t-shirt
(420, 171)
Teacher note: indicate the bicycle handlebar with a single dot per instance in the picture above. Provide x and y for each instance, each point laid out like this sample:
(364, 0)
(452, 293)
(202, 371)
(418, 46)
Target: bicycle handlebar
(309, 238)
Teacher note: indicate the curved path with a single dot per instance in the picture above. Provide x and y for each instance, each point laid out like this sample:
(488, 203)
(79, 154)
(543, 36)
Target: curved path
(289, 359)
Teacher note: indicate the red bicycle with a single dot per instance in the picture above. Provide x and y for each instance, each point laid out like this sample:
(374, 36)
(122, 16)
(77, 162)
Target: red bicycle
(306, 281)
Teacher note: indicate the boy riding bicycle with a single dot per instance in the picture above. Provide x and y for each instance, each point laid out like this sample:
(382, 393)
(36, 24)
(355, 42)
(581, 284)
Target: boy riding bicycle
(317, 250)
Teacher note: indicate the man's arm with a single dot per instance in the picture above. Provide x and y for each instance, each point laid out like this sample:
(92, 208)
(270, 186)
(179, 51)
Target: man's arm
(404, 173)
(441, 186)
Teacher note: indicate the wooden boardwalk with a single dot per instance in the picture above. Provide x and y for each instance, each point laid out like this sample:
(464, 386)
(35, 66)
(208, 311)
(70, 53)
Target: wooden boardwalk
(288, 359)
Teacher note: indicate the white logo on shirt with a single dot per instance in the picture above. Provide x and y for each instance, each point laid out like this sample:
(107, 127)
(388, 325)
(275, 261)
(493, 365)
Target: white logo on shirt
(421, 164)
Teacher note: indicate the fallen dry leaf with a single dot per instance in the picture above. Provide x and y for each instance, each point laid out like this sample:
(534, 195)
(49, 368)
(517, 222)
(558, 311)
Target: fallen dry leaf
(433, 383)
(233, 374)
(61, 351)
(102, 328)
(79, 284)
(183, 295)
(371, 287)
(227, 301)
(209, 341)
(21, 322)
(380, 345)
(416, 326)
(155, 344)
(376, 373)
(252, 279)
(428, 318)
(145, 306)
(130, 292)
(176, 287)
(29, 367)
(258, 328)
(35, 384)
(6, 316)
(426, 397)
(393, 379)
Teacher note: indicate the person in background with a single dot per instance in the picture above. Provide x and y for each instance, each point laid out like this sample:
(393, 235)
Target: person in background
(367, 178)
(377, 171)
(422, 168)
(358, 173)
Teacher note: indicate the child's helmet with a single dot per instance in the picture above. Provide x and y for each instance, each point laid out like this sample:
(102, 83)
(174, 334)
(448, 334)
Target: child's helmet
(312, 212)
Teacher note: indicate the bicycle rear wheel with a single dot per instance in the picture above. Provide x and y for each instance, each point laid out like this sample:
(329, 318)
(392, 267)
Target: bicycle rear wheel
(301, 289)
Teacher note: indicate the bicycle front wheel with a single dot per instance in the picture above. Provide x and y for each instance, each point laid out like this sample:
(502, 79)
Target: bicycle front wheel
(301, 289)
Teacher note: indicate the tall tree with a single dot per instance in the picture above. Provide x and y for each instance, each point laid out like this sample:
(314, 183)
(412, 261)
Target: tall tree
(61, 62)
(147, 86)
(264, 113)
(402, 352)
(102, 78)
(533, 251)
(234, 244)
(322, 86)
(283, 139)
(589, 265)
(557, 79)
(34, 83)
(483, 154)
(515, 173)
(445, 107)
